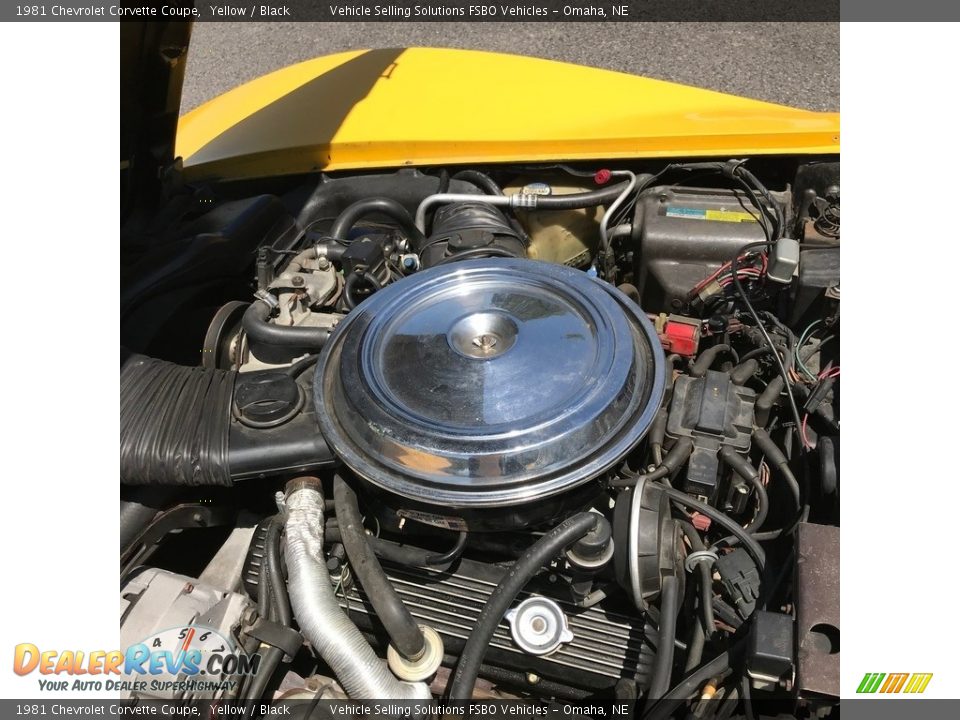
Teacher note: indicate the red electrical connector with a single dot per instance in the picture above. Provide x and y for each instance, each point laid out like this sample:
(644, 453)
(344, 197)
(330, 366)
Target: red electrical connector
(700, 522)
(601, 177)
(678, 334)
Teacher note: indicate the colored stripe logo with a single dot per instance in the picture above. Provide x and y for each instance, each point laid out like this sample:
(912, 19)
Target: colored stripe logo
(913, 683)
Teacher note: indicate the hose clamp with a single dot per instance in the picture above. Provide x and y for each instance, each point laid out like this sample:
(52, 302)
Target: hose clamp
(524, 200)
(699, 556)
(268, 298)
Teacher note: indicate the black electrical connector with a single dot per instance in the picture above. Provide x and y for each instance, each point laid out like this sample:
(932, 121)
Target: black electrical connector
(365, 255)
(818, 395)
(771, 652)
(741, 581)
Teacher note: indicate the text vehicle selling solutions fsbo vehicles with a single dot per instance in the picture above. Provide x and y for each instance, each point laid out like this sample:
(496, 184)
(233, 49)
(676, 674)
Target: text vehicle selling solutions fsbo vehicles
(449, 374)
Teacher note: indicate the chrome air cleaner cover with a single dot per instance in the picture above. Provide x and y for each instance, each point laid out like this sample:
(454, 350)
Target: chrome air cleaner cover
(488, 383)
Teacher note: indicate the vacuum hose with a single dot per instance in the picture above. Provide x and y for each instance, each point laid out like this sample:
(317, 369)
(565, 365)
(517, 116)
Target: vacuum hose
(667, 634)
(403, 630)
(322, 622)
(535, 557)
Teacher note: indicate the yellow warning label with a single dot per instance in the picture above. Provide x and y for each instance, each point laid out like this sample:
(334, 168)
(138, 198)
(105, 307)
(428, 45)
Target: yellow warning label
(734, 216)
(730, 216)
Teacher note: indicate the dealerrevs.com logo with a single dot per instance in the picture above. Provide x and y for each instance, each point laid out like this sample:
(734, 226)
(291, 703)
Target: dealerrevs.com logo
(887, 683)
(190, 658)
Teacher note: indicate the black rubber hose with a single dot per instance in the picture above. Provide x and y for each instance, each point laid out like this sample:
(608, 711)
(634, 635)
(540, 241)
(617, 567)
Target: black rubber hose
(742, 467)
(659, 427)
(141, 506)
(695, 647)
(744, 371)
(480, 179)
(380, 205)
(690, 685)
(536, 556)
(776, 457)
(658, 430)
(749, 544)
(268, 666)
(511, 544)
(332, 250)
(767, 399)
(264, 606)
(399, 554)
(706, 578)
(666, 635)
(134, 517)
(301, 366)
(278, 586)
(678, 455)
(451, 554)
(257, 328)
(350, 286)
(706, 358)
(668, 368)
(444, 185)
(576, 201)
(400, 625)
(706, 598)
(271, 656)
(520, 680)
(755, 353)
(273, 603)
(672, 462)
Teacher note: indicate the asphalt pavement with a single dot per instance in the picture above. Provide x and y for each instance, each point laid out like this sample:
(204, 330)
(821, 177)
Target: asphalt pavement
(794, 64)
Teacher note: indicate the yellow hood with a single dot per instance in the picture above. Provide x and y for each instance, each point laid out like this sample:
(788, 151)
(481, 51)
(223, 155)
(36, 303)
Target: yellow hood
(426, 106)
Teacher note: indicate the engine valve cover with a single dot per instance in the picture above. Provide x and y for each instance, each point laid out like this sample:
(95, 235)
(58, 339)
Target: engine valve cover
(488, 383)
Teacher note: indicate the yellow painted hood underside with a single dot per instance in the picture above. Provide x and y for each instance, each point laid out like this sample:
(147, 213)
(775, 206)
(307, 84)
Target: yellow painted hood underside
(424, 106)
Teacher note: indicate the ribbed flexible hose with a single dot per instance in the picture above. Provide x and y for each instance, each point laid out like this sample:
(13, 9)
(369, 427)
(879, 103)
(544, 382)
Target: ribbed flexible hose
(174, 423)
(327, 628)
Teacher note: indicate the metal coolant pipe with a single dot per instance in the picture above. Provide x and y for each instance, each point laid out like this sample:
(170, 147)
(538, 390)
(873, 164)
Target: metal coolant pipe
(612, 193)
(442, 198)
(323, 623)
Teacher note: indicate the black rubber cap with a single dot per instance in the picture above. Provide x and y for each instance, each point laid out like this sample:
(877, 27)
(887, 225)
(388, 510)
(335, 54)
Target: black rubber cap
(717, 324)
(266, 399)
(594, 544)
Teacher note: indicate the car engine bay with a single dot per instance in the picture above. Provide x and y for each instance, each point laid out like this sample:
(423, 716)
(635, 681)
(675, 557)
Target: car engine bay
(552, 432)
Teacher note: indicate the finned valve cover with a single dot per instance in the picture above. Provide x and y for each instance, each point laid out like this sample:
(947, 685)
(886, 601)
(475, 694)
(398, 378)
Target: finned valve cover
(489, 383)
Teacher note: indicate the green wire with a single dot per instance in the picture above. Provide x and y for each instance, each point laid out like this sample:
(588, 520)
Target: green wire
(803, 337)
